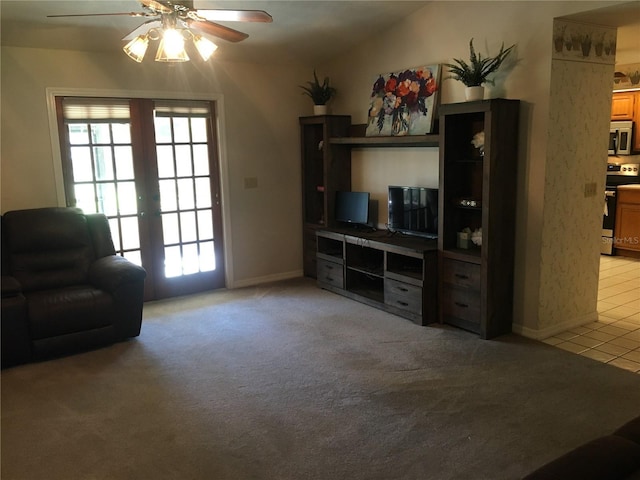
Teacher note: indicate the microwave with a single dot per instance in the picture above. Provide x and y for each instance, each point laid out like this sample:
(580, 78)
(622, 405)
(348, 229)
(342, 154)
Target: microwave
(620, 138)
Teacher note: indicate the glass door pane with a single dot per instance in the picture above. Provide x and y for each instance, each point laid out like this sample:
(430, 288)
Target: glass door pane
(182, 152)
(103, 179)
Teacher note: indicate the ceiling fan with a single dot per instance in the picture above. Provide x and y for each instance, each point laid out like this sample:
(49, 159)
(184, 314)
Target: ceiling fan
(178, 18)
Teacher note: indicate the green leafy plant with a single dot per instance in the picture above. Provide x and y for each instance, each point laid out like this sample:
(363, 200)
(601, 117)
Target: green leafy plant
(320, 93)
(475, 72)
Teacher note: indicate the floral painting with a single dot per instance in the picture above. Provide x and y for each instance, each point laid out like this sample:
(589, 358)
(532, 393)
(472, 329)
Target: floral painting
(404, 103)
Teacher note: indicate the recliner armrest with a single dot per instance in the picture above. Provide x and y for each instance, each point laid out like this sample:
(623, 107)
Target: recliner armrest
(10, 286)
(112, 272)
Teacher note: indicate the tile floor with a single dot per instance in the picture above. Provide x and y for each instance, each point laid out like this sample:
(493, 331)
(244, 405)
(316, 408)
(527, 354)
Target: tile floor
(615, 337)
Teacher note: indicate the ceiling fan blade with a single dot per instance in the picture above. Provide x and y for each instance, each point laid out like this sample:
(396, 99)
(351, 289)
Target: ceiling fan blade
(216, 30)
(235, 15)
(142, 29)
(128, 14)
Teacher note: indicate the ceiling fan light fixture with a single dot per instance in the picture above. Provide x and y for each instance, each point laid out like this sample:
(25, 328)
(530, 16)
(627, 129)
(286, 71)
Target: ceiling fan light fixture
(205, 47)
(137, 48)
(171, 23)
(171, 48)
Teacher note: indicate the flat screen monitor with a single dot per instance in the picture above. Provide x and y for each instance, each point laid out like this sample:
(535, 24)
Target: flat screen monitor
(414, 211)
(352, 208)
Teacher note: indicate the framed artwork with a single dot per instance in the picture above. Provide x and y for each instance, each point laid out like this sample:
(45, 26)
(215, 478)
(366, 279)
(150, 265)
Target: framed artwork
(404, 103)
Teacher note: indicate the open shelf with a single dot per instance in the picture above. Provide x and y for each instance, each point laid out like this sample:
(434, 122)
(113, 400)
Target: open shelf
(431, 140)
(405, 266)
(365, 284)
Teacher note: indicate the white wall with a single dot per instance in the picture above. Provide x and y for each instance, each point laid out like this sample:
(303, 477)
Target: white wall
(262, 106)
(572, 222)
(436, 34)
(260, 127)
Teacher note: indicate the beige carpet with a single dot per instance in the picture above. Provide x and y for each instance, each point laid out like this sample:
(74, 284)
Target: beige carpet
(287, 381)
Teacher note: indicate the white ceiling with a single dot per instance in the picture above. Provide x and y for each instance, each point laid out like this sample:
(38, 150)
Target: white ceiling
(304, 31)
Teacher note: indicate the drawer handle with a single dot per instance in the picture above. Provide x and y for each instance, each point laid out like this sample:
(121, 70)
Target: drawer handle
(329, 267)
(463, 305)
(464, 277)
(404, 304)
(328, 279)
(403, 289)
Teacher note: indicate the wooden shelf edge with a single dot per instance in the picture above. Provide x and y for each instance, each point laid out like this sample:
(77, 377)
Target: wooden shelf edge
(465, 255)
(431, 140)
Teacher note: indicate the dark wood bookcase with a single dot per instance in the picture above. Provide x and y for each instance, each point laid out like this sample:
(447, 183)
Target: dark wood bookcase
(477, 191)
(325, 170)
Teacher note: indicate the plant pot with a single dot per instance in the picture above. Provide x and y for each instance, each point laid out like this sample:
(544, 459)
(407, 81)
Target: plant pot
(319, 109)
(474, 93)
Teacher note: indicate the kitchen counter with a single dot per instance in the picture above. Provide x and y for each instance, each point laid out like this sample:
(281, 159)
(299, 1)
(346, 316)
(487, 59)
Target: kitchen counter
(629, 188)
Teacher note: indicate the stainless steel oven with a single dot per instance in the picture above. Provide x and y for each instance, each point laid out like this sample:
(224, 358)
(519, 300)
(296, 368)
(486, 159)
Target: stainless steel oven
(617, 174)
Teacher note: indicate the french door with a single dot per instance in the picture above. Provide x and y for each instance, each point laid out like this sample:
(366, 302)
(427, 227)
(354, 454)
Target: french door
(151, 167)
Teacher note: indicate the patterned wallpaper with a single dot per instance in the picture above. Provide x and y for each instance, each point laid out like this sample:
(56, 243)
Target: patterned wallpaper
(580, 102)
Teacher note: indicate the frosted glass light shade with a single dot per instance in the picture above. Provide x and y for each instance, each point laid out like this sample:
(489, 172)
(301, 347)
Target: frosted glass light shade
(205, 47)
(171, 48)
(137, 48)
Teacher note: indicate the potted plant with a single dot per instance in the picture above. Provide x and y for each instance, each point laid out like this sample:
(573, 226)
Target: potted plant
(474, 74)
(320, 93)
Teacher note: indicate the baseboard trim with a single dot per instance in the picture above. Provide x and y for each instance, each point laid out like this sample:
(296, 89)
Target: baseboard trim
(552, 330)
(250, 282)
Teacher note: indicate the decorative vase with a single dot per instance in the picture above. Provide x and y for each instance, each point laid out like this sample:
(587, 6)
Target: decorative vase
(319, 109)
(474, 93)
(400, 122)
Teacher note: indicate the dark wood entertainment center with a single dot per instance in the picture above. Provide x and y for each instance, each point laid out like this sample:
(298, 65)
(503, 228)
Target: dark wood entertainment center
(467, 285)
(395, 273)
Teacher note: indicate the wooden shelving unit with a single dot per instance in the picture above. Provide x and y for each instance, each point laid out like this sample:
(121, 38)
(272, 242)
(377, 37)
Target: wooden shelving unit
(477, 191)
(395, 274)
(474, 283)
(325, 170)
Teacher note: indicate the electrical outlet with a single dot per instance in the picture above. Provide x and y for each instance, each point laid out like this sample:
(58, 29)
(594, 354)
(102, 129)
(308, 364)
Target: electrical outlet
(250, 182)
(590, 189)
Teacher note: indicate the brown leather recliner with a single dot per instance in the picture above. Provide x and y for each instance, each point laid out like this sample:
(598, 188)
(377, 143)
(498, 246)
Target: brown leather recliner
(64, 289)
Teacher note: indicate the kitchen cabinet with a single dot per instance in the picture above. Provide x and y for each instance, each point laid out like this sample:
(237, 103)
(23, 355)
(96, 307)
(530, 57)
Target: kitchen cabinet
(622, 106)
(626, 106)
(627, 229)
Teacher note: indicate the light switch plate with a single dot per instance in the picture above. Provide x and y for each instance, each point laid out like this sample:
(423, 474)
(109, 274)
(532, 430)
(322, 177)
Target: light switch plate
(250, 182)
(590, 189)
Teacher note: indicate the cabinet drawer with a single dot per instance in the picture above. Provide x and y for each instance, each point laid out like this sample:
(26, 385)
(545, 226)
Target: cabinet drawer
(330, 273)
(461, 274)
(461, 303)
(403, 295)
